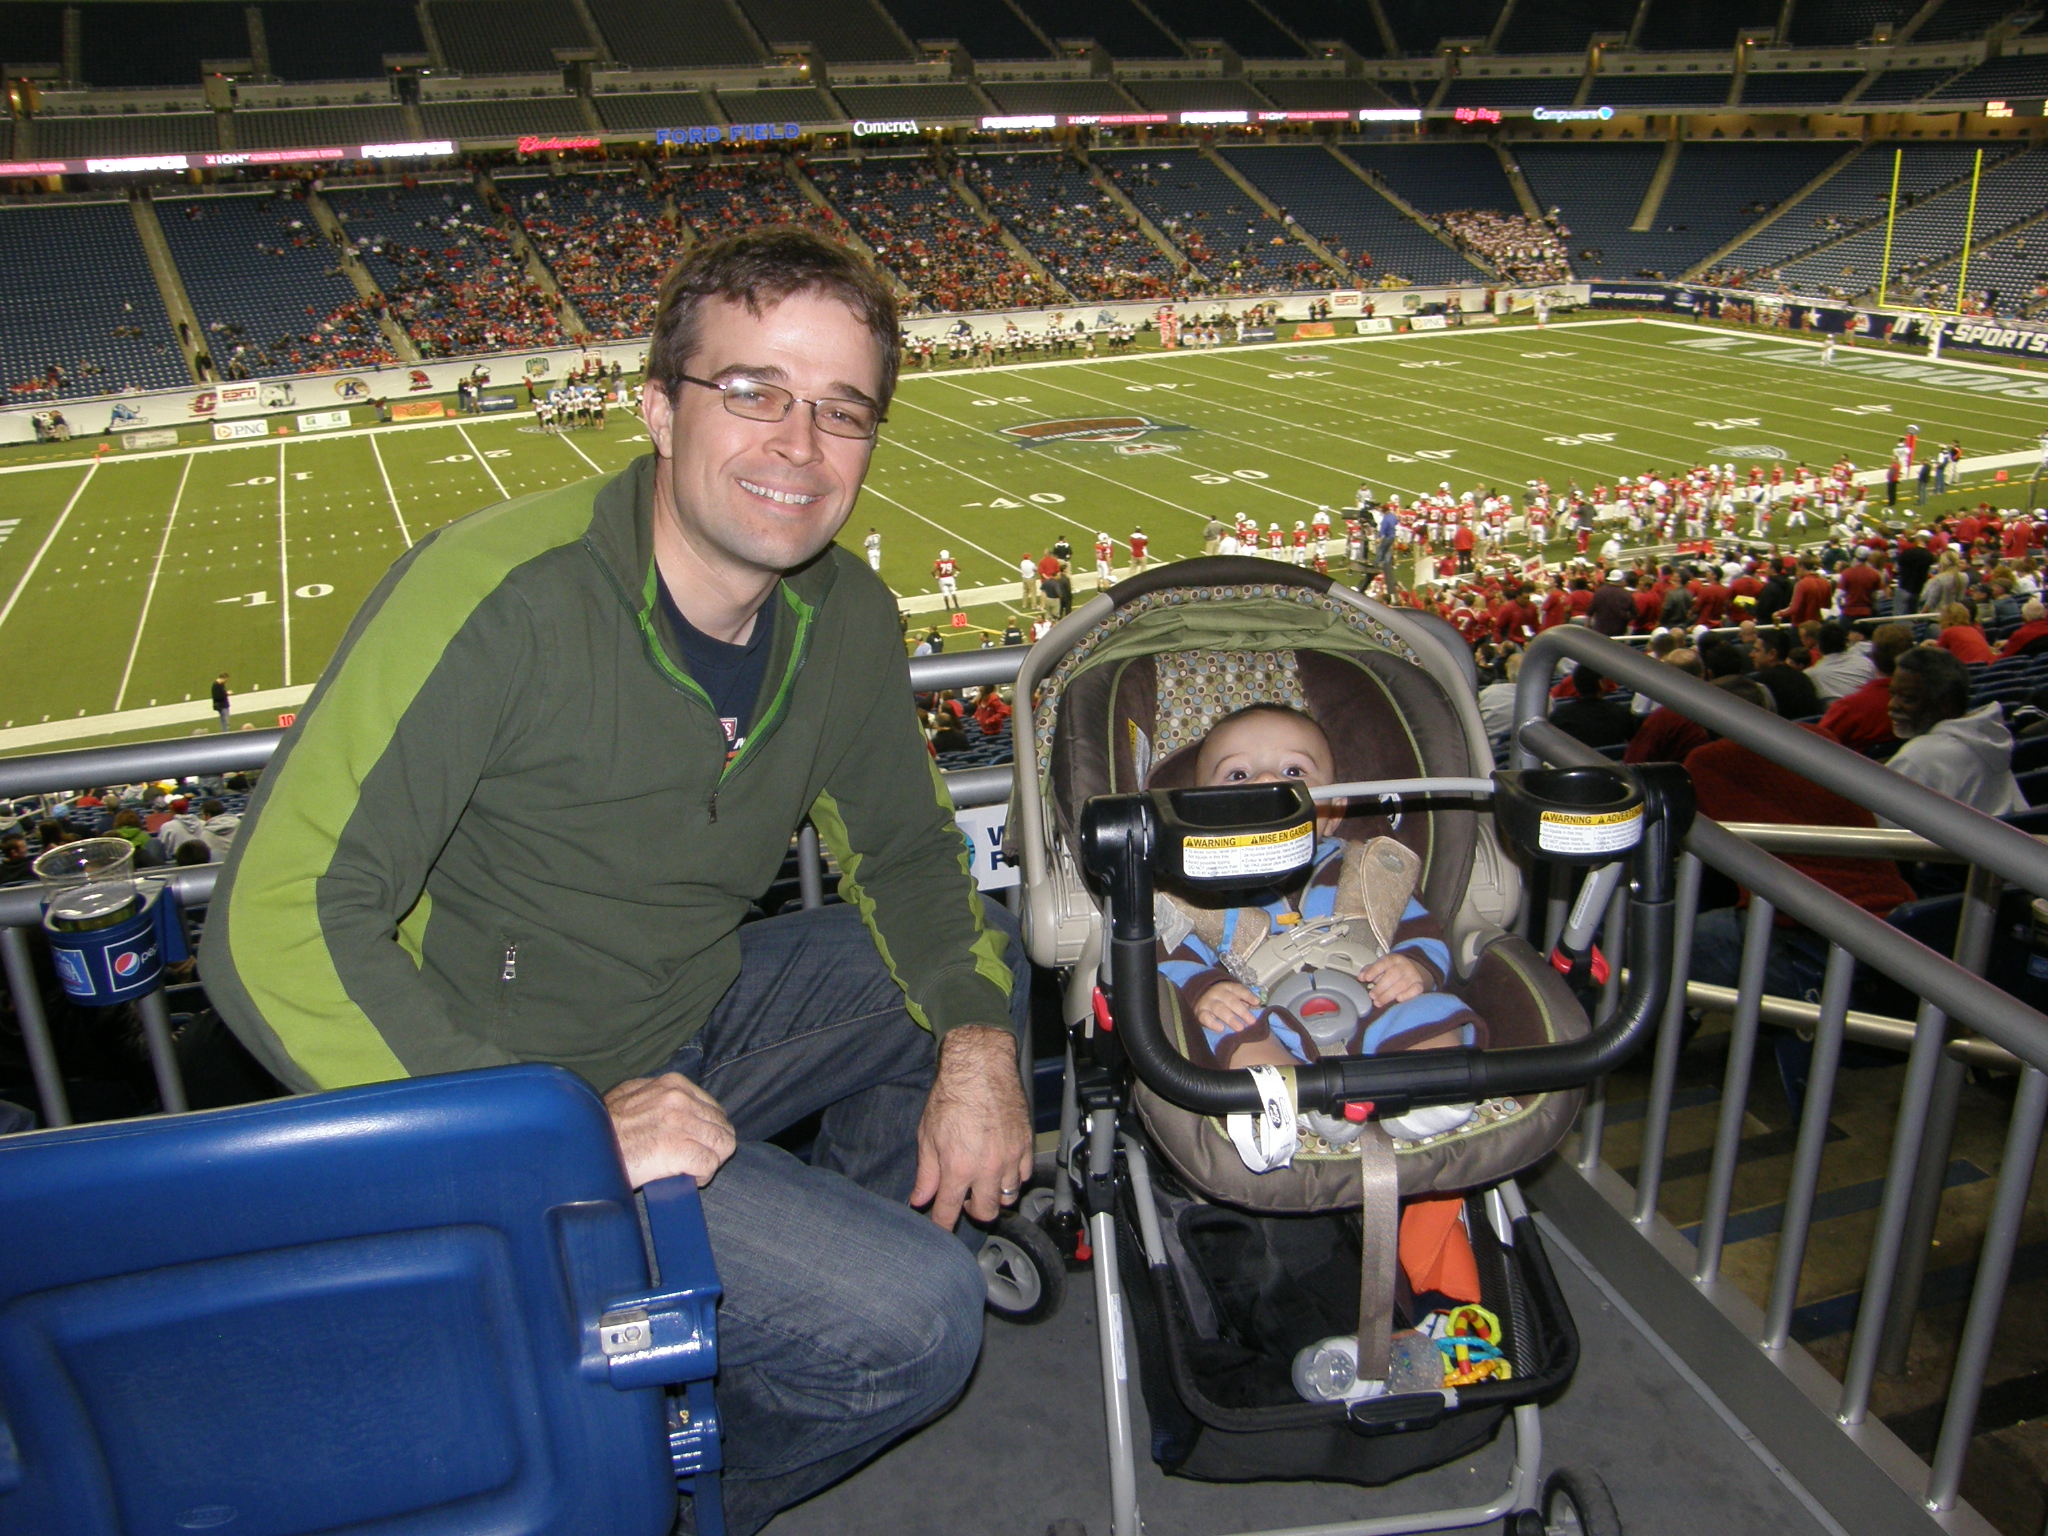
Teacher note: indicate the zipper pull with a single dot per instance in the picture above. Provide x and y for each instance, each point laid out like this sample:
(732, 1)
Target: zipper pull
(511, 970)
(713, 806)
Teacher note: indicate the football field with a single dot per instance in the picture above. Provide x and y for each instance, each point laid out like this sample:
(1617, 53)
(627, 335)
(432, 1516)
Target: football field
(127, 582)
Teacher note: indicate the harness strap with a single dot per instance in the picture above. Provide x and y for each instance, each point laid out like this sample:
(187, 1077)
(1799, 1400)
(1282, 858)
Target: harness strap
(1379, 1250)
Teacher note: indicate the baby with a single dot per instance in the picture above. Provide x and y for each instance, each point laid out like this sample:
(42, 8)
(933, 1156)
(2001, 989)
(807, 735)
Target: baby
(1344, 962)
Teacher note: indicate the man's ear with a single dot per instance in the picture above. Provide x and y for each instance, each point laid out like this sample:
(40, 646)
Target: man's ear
(658, 411)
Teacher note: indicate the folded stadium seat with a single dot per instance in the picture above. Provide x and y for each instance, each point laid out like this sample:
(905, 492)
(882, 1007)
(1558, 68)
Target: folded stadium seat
(408, 1308)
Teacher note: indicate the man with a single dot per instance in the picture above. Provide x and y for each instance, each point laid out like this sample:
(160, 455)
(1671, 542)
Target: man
(1587, 716)
(220, 699)
(1910, 570)
(2032, 635)
(872, 546)
(1791, 690)
(1952, 749)
(1613, 608)
(1141, 544)
(947, 571)
(1861, 720)
(563, 748)
(1842, 668)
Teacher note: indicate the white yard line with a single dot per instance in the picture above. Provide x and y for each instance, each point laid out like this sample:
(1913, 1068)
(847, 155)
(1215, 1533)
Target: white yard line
(284, 572)
(50, 538)
(478, 454)
(149, 596)
(586, 458)
(396, 510)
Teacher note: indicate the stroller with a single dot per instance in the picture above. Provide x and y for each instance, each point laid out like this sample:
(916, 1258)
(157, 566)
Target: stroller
(1265, 1304)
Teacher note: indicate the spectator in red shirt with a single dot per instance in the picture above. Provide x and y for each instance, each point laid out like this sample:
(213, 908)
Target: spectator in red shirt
(1861, 581)
(1810, 595)
(1862, 720)
(1962, 638)
(1666, 736)
(2032, 635)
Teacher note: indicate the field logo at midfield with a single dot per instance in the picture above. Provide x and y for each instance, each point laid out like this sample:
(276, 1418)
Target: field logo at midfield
(1749, 451)
(1086, 429)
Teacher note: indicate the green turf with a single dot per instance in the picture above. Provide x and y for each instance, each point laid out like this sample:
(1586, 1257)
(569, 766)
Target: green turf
(129, 583)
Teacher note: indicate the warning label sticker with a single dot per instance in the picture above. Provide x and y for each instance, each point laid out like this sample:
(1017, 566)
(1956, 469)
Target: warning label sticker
(1591, 832)
(1240, 856)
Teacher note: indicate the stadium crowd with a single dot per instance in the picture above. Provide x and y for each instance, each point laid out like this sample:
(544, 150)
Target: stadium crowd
(1090, 243)
(1521, 249)
(920, 230)
(608, 253)
(458, 285)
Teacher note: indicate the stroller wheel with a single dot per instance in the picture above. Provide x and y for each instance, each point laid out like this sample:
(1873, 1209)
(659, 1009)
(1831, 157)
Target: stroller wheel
(1026, 1278)
(1575, 1503)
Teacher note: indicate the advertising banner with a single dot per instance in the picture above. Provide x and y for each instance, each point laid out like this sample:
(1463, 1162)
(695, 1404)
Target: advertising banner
(982, 826)
(497, 403)
(1429, 323)
(228, 431)
(1309, 329)
(1628, 296)
(322, 421)
(1376, 325)
(160, 438)
(418, 410)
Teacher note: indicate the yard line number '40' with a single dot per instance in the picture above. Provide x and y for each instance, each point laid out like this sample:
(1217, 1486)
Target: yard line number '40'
(265, 600)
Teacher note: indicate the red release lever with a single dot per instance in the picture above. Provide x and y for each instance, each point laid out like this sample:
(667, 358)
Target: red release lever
(1103, 1021)
(1562, 964)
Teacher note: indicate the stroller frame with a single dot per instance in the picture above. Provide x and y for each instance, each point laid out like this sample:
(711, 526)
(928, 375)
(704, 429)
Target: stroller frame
(1098, 1161)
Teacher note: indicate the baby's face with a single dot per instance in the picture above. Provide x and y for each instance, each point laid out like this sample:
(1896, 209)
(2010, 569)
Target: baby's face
(1264, 748)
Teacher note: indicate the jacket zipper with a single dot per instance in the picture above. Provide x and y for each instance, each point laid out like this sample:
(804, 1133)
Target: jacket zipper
(511, 968)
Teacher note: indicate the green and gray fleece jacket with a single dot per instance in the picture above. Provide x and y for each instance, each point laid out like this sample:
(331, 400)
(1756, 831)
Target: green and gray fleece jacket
(504, 827)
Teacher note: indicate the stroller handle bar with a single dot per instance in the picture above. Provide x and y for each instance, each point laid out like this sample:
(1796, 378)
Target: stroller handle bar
(1122, 841)
(1369, 788)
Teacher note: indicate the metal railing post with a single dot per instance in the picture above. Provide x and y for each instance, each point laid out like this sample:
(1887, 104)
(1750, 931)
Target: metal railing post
(1797, 1221)
(1756, 948)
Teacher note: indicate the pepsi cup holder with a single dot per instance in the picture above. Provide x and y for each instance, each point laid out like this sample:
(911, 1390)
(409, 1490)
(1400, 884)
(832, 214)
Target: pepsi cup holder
(109, 951)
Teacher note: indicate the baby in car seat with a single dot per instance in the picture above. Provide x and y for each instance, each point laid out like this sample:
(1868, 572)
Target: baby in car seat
(1346, 962)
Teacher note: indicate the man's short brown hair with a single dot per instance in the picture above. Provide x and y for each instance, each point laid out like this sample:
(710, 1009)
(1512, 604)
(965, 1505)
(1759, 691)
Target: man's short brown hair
(758, 268)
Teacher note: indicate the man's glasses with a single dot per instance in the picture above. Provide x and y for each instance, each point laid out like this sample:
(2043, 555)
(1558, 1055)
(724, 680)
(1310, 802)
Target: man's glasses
(756, 401)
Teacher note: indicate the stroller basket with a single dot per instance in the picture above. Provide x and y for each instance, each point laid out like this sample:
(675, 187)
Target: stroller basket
(1236, 1294)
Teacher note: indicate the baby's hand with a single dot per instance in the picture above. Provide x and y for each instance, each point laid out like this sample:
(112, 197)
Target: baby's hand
(1395, 978)
(1230, 1006)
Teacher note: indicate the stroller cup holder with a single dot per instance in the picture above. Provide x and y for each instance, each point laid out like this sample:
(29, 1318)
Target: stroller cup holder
(1584, 816)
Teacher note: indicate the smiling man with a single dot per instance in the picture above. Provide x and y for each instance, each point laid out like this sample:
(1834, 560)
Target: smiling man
(562, 750)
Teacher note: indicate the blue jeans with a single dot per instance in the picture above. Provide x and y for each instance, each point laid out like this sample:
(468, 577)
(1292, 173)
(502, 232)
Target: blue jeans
(848, 1317)
(1796, 962)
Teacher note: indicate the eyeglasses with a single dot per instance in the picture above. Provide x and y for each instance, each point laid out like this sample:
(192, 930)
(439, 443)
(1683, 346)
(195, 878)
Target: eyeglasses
(756, 401)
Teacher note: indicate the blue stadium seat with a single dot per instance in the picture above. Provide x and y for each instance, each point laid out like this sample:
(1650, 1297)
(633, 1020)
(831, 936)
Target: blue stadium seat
(412, 1307)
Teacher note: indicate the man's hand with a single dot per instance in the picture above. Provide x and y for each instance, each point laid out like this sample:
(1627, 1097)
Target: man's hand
(974, 1142)
(668, 1125)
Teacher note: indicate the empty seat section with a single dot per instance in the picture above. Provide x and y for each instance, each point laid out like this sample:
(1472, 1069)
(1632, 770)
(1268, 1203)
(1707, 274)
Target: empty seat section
(1717, 191)
(447, 268)
(1693, 25)
(909, 214)
(723, 198)
(1928, 233)
(306, 44)
(1196, 95)
(1924, 245)
(503, 119)
(505, 37)
(608, 239)
(1239, 23)
(1226, 235)
(1964, 18)
(1597, 188)
(154, 43)
(268, 287)
(1849, 199)
(781, 104)
(891, 103)
(80, 313)
(658, 34)
(1317, 21)
(1075, 96)
(307, 126)
(34, 33)
(1420, 24)
(1800, 87)
(1076, 230)
(1563, 26)
(1118, 25)
(1511, 91)
(1437, 177)
(1359, 226)
(1996, 79)
(846, 32)
(1672, 89)
(1898, 87)
(140, 133)
(985, 31)
(649, 110)
(1322, 95)
(1837, 23)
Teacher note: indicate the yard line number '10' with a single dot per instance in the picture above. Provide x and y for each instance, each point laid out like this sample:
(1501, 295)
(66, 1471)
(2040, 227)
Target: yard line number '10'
(265, 600)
